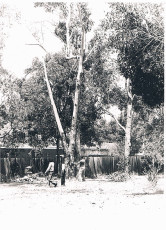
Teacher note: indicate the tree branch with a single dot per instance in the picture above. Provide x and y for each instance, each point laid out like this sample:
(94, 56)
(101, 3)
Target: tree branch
(130, 96)
(71, 57)
(37, 44)
(83, 30)
(89, 54)
(109, 113)
(6, 134)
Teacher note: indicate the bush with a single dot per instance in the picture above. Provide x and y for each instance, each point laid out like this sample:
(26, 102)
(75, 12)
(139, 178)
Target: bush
(123, 165)
(152, 166)
(119, 176)
(123, 171)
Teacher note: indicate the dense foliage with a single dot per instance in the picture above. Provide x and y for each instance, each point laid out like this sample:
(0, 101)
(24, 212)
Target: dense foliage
(137, 32)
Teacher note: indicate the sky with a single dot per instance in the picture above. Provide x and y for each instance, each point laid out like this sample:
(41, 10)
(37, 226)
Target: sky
(17, 54)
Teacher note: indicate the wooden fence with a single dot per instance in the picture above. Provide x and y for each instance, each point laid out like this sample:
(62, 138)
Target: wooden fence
(95, 165)
(16, 166)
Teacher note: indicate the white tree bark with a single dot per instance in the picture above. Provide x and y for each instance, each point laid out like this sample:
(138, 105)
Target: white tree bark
(73, 131)
(129, 120)
(68, 50)
(75, 109)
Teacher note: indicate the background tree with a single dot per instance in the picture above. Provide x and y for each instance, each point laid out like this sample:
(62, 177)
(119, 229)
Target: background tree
(136, 37)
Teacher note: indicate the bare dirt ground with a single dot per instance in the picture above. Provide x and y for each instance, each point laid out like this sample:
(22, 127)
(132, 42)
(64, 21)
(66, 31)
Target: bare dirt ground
(93, 204)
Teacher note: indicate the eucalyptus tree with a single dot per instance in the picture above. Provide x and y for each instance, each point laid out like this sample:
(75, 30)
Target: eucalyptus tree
(136, 32)
(72, 29)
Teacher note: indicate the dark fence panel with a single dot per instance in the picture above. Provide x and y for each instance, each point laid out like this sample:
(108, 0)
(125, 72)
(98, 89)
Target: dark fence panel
(95, 165)
(16, 166)
(107, 164)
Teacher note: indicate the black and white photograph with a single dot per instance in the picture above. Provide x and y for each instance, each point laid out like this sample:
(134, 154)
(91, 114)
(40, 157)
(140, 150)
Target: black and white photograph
(82, 115)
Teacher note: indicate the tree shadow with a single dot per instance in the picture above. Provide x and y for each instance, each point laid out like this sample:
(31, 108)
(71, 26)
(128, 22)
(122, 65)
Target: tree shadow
(148, 193)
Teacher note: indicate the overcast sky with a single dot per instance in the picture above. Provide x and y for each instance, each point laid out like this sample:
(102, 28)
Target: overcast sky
(17, 54)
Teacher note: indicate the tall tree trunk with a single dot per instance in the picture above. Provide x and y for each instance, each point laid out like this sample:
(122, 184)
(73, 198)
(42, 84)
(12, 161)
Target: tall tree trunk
(129, 119)
(75, 109)
(128, 130)
(73, 131)
(78, 145)
(58, 156)
(61, 132)
(68, 48)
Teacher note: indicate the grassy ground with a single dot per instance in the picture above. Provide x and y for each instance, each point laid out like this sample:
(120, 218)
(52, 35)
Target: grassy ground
(93, 204)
